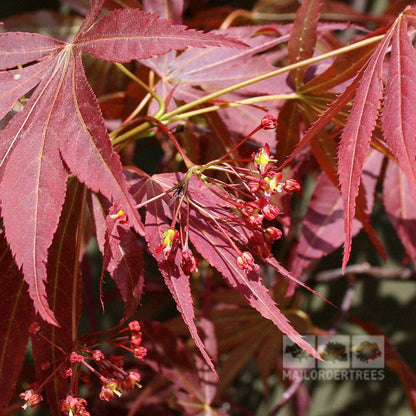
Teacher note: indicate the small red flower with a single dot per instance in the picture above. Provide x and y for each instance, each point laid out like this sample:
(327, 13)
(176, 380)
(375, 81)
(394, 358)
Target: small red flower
(134, 326)
(136, 340)
(132, 380)
(189, 263)
(109, 390)
(66, 372)
(291, 185)
(118, 214)
(272, 234)
(255, 221)
(31, 398)
(271, 184)
(169, 241)
(34, 328)
(74, 406)
(246, 262)
(269, 122)
(75, 357)
(262, 159)
(269, 211)
(97, 355)
(140, 352)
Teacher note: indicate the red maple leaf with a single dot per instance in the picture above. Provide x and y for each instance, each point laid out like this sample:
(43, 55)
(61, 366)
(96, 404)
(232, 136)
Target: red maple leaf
(61, 129)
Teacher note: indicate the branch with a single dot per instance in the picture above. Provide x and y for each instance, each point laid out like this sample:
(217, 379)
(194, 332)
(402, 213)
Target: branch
(365, 270)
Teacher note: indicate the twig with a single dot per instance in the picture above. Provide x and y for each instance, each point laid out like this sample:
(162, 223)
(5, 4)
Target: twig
(363, 270)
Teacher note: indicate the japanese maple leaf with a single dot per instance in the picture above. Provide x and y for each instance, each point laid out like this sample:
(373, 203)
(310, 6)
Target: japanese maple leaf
(208, 223)
(397, 116)
(61, 128)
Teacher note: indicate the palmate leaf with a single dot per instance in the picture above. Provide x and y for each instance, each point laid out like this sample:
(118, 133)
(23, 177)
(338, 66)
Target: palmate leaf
(62, 127)
(211, 243)
(355, 139)
(397, 116)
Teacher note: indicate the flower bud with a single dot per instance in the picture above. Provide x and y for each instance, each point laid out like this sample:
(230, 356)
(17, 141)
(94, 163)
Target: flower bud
(272, 234)
(32, 399)
(246, 262)
(270, 211)
(269, 122)
(291, 185)
(34, 328)
(189, 263)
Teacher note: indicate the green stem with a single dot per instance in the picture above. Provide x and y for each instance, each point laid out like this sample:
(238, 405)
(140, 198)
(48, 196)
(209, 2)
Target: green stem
(271, 74)
(167, 117)
(253, 100)
(159, 99)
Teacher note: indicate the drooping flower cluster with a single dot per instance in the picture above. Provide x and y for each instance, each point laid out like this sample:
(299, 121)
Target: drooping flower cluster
(265, 182)
(32, 399)
(108, 368)
(74, 406)
(249, 193)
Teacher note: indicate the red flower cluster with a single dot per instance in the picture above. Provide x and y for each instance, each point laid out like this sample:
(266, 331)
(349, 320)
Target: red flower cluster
(247, 194)
(32, 399)
(108, 368)
(74, 406)
(136, 340)
(265, 181)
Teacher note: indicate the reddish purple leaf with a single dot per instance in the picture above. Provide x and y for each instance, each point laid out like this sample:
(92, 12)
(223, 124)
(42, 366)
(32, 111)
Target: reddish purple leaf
(93, 13)
(33, 143)
(17, 314)
(63, 290)
(18, 48)
(124, 35)
(399, 123)
(400, 207)
(355, 139)
(322, 227)
(344, 67)
(32, 189)
(336, 106)
(218, 67)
